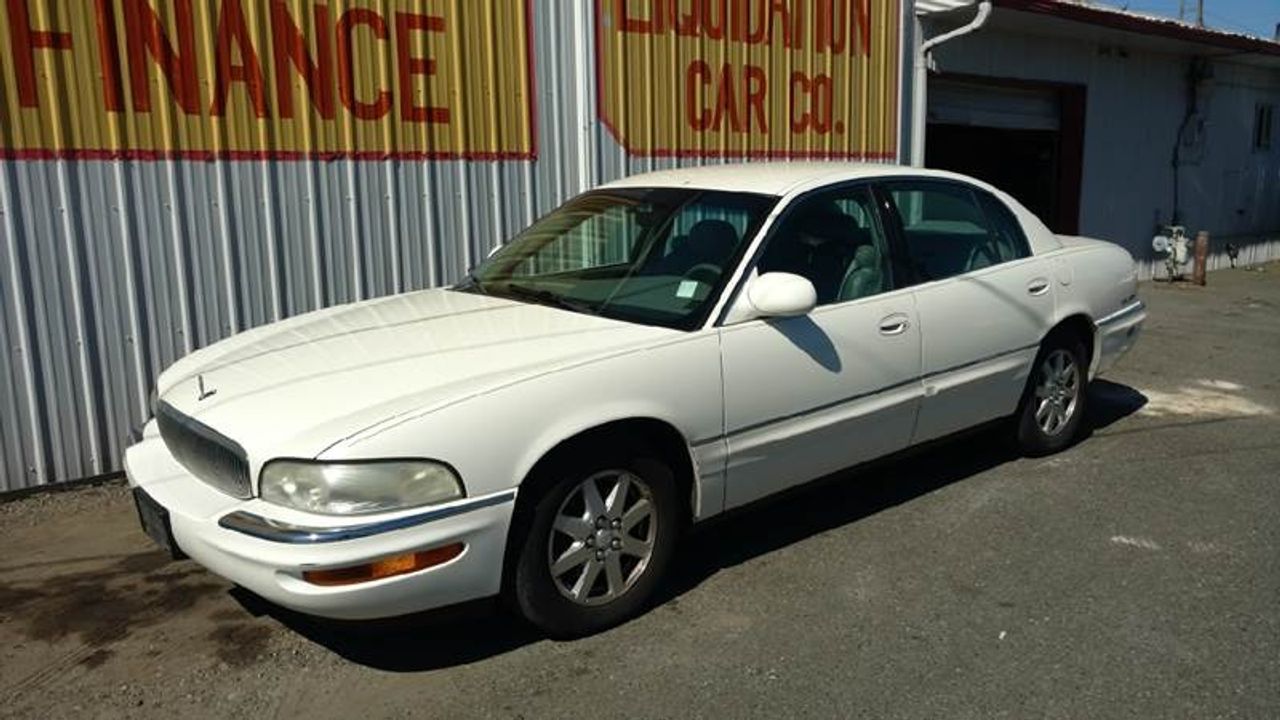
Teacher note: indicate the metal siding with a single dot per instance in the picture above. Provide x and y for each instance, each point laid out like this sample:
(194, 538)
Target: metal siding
(112, 269)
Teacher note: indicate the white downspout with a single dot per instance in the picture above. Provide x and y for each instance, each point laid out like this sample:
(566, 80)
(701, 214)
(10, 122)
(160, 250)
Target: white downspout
(919, 84)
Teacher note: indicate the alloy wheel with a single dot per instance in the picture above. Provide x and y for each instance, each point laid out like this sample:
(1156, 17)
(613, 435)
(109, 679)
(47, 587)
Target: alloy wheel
(1058, 391)
(602, 537)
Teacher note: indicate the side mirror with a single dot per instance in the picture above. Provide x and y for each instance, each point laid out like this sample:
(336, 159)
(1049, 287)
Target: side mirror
(779, 294)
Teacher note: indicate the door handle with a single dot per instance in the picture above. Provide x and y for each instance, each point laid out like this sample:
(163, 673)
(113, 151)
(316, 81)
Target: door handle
(1039, 286)
(894, 325)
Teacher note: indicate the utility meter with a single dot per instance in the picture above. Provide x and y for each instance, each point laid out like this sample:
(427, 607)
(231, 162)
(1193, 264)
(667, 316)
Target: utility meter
(1172, 243)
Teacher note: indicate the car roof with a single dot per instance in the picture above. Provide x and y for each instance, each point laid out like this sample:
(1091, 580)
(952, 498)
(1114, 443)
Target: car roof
(773, 178)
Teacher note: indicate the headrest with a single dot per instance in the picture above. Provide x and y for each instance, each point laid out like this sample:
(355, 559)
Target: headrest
(866, 256)
(713, 237)
(829, 225)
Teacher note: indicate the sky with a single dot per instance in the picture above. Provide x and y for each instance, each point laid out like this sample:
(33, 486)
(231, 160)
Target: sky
(1255, 17)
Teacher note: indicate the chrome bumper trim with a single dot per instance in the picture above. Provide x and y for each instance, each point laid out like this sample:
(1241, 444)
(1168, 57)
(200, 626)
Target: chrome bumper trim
(282, 532)
(1119, 315)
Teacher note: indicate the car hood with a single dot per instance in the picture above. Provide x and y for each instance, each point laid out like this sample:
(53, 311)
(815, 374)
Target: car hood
(297, 387)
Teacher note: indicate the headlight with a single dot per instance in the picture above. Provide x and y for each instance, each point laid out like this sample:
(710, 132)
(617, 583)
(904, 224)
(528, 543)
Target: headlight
(358, 488)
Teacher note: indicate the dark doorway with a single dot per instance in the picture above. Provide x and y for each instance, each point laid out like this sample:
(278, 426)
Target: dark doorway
(1025, 137)
(1023, 163)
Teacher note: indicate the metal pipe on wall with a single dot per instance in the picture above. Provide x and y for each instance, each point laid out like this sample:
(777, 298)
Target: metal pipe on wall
(920, 79)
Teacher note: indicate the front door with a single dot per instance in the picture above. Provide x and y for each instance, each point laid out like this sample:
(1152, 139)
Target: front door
(810, 395)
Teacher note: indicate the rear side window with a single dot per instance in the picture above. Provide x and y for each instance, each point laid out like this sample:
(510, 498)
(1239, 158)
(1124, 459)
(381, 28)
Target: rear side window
(1007, 236)
(949, 229)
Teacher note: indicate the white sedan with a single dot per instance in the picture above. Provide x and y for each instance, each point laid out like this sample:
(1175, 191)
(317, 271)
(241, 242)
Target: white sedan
(652, 353)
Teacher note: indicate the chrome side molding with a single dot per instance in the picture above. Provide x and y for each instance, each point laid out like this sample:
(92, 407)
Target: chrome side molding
(1136, 307)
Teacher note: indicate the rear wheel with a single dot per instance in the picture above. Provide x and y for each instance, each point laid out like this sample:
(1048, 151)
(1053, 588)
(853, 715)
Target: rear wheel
(1053, 404)
(598, 540)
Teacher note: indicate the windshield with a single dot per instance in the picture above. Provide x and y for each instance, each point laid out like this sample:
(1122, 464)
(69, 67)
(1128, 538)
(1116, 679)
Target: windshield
(657, 256)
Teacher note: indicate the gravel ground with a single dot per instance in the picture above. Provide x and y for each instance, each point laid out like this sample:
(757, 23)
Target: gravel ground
(1136, 575)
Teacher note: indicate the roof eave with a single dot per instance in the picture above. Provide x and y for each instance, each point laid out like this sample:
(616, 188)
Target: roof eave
(1120, 20)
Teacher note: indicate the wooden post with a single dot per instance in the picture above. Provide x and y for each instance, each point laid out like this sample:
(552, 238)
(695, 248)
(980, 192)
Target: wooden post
(1202, 257)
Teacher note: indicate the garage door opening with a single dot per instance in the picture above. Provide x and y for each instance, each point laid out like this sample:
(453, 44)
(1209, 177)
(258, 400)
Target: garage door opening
(1025, 138)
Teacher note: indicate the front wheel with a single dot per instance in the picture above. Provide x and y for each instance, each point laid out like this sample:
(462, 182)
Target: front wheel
(1053, 404)
(600, 537)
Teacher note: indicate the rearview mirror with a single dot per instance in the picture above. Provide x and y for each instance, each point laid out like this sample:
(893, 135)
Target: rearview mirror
(780, 294)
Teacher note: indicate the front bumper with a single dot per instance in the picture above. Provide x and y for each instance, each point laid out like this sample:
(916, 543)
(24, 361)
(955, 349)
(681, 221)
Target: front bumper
(266, 548)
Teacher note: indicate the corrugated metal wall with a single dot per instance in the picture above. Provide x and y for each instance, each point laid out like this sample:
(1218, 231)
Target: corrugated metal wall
(111, 269)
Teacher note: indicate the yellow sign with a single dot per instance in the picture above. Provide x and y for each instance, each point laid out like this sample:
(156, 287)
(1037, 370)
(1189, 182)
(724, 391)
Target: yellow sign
(266, 78)
(750, 78)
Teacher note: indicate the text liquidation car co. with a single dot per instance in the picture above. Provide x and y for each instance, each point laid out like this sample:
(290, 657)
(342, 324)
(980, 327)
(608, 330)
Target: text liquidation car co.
(807, 77)
(736, 97)
(834, 25)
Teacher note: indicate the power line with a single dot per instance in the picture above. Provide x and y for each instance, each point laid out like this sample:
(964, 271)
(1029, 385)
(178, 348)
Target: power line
(1231, 24)
(1183, 9)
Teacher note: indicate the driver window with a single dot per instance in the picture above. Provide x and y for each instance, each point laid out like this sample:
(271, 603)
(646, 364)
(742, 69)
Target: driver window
(835, 241)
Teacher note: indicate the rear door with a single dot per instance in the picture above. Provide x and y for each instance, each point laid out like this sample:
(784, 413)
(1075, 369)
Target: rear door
(984, 301)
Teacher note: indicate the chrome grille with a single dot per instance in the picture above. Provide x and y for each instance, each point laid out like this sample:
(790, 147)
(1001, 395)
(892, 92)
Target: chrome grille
(211, 456)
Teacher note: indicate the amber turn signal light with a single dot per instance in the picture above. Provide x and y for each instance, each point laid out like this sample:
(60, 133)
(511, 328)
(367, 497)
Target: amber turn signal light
(384, 568)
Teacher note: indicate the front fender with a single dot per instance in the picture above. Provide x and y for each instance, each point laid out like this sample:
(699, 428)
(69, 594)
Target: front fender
(495, 439)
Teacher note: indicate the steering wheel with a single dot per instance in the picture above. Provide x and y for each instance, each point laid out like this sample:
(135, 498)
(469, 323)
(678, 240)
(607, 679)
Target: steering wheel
(710, 271)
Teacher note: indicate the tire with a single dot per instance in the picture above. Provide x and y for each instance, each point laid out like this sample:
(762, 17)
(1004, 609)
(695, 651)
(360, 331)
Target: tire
(1052, 410)
(607, 571)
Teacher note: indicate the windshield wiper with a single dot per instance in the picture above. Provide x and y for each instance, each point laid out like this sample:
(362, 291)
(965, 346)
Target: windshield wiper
(546, 297)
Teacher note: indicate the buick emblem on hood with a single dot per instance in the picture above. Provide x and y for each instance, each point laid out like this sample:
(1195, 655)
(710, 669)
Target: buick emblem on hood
(204, 394)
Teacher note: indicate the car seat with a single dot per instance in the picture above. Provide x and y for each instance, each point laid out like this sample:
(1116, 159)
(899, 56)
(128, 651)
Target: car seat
(819, 249)
(865, 276)
(709, 242)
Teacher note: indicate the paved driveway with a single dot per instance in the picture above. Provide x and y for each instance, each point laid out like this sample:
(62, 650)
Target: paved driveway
(1137, 575)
